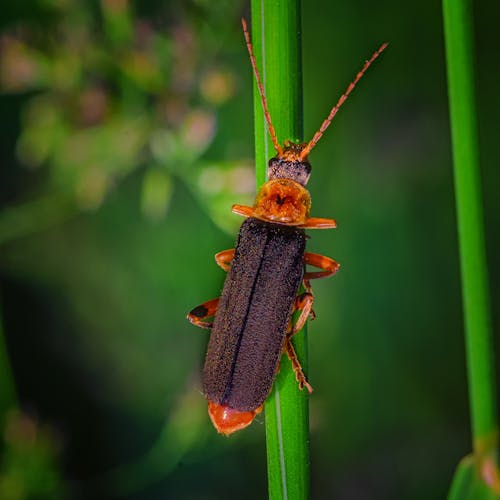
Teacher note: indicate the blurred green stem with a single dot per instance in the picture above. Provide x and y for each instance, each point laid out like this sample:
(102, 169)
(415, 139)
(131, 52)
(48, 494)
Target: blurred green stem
(34, 216)
(7, 390)
(459, 56)
(276, 41)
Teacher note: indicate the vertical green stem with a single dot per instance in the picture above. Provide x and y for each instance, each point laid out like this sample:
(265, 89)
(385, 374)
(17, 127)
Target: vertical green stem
(276, 40)
(7, 390)
(459, 55)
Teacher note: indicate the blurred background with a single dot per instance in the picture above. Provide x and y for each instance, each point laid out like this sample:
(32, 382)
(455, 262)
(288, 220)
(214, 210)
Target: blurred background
(127, 133)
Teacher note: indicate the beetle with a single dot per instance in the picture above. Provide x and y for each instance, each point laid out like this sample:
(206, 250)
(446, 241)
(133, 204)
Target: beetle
(252, 323)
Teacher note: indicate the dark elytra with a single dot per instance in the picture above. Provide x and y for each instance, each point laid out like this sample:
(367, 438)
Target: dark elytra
(249, 329)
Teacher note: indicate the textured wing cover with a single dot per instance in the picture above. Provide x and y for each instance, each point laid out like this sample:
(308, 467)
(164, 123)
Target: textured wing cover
(249, 329)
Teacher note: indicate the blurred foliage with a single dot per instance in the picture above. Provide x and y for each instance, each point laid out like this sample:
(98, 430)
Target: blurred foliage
(28, 467)
(126, 133)
(112, 93)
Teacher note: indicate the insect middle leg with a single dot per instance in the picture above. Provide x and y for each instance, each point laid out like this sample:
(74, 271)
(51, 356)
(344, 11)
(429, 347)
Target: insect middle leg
(225, 258)
(209, 308)
(328, 266)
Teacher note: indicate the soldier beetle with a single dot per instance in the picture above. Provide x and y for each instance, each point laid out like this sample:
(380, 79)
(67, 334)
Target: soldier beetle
(252, 323)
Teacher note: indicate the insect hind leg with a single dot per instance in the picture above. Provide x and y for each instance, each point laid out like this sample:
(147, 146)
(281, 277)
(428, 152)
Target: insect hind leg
(303, 303)
(296, 366)
(197, 315)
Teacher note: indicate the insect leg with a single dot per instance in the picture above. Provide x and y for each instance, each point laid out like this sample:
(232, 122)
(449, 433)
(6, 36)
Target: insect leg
(297, 368)
(203, 311)
(225, 258)
(209, 308)
(242, 210)
(319, 223)
(303, 303)
(328, 266)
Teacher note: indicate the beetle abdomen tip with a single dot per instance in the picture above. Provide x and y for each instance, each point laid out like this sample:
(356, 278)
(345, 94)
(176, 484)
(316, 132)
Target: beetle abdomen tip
(228, 420)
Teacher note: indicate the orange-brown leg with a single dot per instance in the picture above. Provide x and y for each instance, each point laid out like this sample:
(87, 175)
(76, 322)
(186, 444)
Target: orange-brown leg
(297, 368)
(319, 223)
(209, 308)
(242, 210)
(328, 265)
(225, 258)
(303, 303)
(203, 311)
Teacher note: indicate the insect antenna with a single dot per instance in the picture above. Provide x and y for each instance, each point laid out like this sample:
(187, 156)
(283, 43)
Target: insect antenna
(317, 136)
(267, 116)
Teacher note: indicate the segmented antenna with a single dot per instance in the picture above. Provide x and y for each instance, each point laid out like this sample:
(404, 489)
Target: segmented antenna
(267, 116)
(317, 136)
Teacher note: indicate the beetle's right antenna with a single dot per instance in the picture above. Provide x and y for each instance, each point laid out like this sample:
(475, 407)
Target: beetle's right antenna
(343, 97)
(267, 116)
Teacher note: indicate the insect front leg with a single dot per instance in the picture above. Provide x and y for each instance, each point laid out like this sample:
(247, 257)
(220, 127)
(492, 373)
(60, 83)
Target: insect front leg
(203, 311)
(319, 223)
(243, 210)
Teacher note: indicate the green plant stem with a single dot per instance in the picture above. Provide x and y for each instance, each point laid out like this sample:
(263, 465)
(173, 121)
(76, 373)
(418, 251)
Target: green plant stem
(8, 400)
(459, 56)
(276, 41)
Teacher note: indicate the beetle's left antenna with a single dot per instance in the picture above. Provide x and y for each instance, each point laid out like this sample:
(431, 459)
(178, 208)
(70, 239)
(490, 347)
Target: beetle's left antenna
(267, 116)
